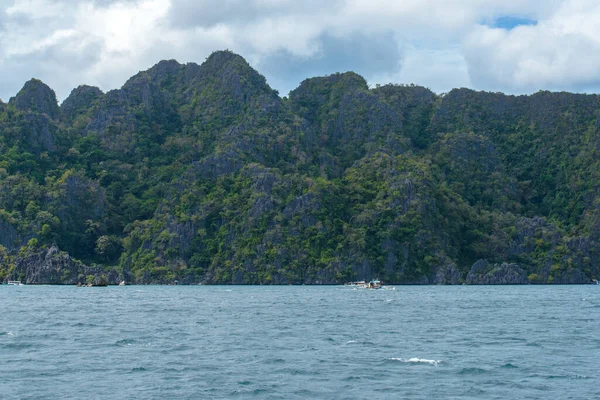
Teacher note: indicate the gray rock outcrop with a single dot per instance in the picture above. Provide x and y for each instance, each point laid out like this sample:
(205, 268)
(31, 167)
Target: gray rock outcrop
(79, 101)
(484, 273)
(37, 97)
(447, 274)
(53, 267)
(570, 276)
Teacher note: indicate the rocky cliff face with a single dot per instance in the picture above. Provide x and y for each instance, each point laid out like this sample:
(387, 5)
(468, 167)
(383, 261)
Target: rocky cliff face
(203, 173)
(484, 273)
(569, 276)
(9, 237)
(447, 274)
(80, 101)
(50, 266)
(37, 97)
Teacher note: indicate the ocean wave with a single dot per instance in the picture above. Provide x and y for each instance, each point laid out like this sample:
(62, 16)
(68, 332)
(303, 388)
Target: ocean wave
(125, 342)
(16, 346)
(414, 360)
(363, 342)
(472, 371)
(568, 377)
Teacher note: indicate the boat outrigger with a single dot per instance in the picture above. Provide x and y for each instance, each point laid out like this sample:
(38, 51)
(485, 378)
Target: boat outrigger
(374, 284)
(356, 284)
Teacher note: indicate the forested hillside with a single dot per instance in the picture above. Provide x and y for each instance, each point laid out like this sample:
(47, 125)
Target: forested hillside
(204, 174)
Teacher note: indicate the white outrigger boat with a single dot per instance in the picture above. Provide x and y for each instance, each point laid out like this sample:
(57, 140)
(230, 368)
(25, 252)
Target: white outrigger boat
(358, 284)
(374, 284)
(15, 283)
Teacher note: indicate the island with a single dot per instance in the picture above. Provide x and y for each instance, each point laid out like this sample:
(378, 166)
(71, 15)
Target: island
(205, 174)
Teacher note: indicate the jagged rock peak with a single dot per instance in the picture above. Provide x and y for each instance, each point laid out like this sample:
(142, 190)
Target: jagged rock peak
(222, 57)
(164, 69)
(165, 74)
(395, 92)
(347, 79)
(83, 91)
(233, 74)
(36, 96)
(80, 99)
(227, 63)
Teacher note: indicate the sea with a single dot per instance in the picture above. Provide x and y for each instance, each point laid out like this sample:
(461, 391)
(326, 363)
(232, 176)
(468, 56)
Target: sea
(300, 342)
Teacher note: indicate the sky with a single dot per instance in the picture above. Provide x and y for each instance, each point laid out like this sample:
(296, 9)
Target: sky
(511, 46)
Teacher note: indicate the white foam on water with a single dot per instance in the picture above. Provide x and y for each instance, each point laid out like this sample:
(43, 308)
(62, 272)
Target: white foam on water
(351, 341)
(435, 363)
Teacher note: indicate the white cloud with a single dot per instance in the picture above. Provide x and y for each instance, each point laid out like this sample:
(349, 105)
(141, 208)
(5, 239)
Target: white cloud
(437, 43)
(559, 53)
(437, 69)
(86, 42)
(129, 33)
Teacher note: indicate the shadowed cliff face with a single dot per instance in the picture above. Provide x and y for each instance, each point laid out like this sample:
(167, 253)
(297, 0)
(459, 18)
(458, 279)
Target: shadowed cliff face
(8, 234)
(50, 266)
(37, 97)
(202, 173)
(79, 101)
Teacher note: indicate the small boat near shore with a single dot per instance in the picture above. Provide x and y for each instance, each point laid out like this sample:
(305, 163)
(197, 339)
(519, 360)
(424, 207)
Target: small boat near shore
(373, 284)
(356, 284)
(15, 283)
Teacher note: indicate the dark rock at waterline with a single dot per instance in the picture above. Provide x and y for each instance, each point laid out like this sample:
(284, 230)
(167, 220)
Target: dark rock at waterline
(100, 281)
(570, 276)
(51, 266)
(484, 273)
(447, 274)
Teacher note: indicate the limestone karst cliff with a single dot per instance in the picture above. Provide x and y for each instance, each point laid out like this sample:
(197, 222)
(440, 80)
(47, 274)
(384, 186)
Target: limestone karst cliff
(203, 173)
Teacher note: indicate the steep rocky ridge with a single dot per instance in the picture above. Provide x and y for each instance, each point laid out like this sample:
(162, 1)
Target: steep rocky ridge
(202, 173)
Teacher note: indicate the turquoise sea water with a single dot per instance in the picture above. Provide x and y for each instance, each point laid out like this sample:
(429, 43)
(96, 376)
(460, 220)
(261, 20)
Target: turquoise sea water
(303, 342)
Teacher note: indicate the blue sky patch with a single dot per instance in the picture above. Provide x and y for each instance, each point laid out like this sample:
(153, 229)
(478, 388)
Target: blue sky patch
(509, 22)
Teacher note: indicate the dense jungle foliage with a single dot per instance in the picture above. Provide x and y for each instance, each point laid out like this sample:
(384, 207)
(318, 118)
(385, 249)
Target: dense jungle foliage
(203, 173)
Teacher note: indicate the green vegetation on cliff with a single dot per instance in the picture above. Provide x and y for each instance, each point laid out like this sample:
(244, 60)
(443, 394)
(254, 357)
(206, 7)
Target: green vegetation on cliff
(202, 173)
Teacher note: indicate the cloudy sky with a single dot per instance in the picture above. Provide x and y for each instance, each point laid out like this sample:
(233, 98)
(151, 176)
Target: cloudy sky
(514, 46)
